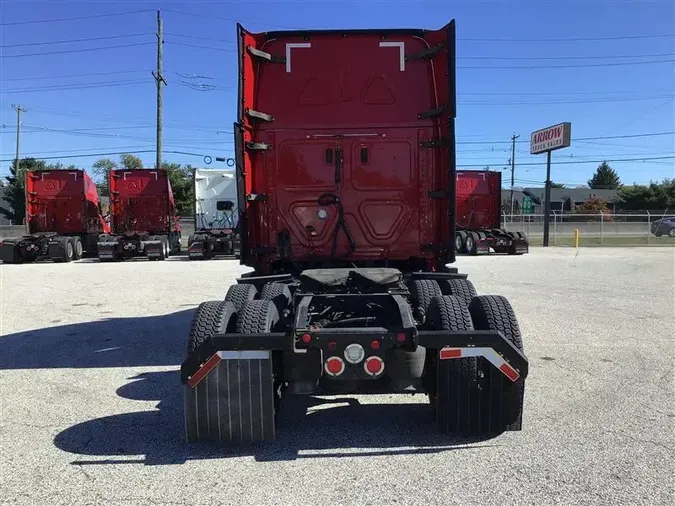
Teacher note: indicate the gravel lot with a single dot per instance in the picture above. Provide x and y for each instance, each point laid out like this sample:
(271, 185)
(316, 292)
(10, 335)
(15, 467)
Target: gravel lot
(91, 405)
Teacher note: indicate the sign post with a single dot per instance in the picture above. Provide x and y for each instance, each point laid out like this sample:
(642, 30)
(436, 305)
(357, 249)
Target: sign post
(544, 141)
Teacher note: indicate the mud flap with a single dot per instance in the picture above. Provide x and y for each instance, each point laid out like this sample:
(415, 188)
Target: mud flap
(56, 249)
(196, 250)
(519, 247)
(107, 250)
(153, 249)
(231, 398)
(482, 247)
(9, 252)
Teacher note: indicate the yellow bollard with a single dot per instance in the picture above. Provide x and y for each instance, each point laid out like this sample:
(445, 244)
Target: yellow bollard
(576, 237)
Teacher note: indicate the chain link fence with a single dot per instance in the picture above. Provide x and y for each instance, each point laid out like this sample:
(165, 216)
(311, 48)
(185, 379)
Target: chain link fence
(594, 229)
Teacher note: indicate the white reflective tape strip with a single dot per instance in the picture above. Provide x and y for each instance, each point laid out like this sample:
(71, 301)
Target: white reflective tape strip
(154, 173)
(74, 174)
(290, 46)
(245, 355)
(401, 46)
(489, 354)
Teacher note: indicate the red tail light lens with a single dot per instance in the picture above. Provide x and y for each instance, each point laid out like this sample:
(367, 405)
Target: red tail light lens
(334, 366)
(374, 366)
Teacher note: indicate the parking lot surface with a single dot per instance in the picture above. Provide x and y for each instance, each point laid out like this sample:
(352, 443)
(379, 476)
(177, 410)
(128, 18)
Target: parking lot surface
(91, 402)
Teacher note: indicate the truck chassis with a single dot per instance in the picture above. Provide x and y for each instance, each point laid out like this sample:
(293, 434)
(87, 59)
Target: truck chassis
(482, 242)
(117, 247)
(207, 243)
(331, 331)
(47, 246)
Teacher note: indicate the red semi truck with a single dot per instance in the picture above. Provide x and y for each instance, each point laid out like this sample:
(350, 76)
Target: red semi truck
(63, 218)
(142, 216)
(345, 148)
(479, 216)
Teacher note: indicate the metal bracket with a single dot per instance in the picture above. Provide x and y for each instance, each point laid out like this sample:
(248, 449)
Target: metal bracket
(437, 194)
(258, 146)
(265, 56)
(434, 143)
(259, 115)
(425, 54)
(257, 197)
(432, 113)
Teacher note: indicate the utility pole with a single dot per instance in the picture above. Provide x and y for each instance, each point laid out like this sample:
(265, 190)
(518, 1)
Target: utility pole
(18, 110)
(513, 168)
(159, 79)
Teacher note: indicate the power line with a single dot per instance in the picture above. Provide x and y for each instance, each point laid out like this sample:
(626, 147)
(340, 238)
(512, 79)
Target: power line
(81, 50)
(651, 134)
(573, 39)
(90, 74)
(76, 18)
(69, 41)
(616, 64)
(575, 162)
(74, 86)
(86, 155)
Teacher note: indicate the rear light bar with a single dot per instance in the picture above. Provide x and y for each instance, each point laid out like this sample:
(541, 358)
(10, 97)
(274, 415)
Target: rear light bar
(488, 353)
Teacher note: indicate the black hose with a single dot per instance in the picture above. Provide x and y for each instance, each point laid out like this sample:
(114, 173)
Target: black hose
(328, 199)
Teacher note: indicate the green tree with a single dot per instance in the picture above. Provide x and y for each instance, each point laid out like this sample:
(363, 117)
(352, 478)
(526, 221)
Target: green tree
(652, 197)
(182, 186)
(605, 178)
(100, 170)
(557, 185)
(15, 188)
(130, 162)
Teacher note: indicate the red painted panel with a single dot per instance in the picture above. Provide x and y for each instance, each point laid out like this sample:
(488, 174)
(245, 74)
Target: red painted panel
(358, 95)
(63, 201)
(141, 201)
(479, 195)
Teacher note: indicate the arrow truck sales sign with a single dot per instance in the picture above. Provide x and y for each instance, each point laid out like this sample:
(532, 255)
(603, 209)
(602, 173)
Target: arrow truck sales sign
(551, 138)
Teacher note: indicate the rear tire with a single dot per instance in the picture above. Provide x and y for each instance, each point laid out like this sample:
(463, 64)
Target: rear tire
(69, 249)
(240, 294)
(205, 414)
(279, 293)
(461, 288)
(455, 397)
(502, 399)
(78, 248)
(460, 242)
(422, 291)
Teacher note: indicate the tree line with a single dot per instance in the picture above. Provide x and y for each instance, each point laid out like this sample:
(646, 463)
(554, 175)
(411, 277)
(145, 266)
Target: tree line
(655, 196)
(180, 176)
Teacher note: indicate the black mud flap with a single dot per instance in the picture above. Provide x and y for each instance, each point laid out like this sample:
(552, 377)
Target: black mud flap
(519, 247)
(10, 252)
(56, 250)
(196, 250)
(107, 250)
(482, 247)
(231, 398)
(153, 249)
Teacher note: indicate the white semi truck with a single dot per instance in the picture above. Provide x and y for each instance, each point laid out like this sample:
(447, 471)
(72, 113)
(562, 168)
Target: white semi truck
(216, 214)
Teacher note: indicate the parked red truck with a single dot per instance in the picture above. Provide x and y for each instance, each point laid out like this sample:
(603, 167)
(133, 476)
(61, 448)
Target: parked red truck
(345, 149)
(63, 218)
(143, 216)
(479, 216)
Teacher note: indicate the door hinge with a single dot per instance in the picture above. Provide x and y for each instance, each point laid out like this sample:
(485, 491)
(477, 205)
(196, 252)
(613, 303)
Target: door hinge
(259, 115)
(434, 143)
(265, 56)
(432, 113)
(425, 54)
(437, 194)
(257, 197)
(258, 146)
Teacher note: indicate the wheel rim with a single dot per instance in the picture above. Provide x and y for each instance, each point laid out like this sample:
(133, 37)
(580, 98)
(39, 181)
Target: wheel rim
(469, 243)
(78, 248)
(69, 249)
(458, 243)
(671, 232)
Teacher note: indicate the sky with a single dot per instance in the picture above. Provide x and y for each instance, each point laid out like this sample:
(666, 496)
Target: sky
(605, 66)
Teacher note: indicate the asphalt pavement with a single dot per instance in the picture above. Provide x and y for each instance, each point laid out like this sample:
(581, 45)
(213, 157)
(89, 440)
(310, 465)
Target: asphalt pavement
(91, 403)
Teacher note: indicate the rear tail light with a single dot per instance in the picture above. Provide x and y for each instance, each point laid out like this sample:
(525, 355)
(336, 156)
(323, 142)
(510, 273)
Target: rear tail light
(334, 366)
(374, 366)
(400, 337)
(306, 338)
